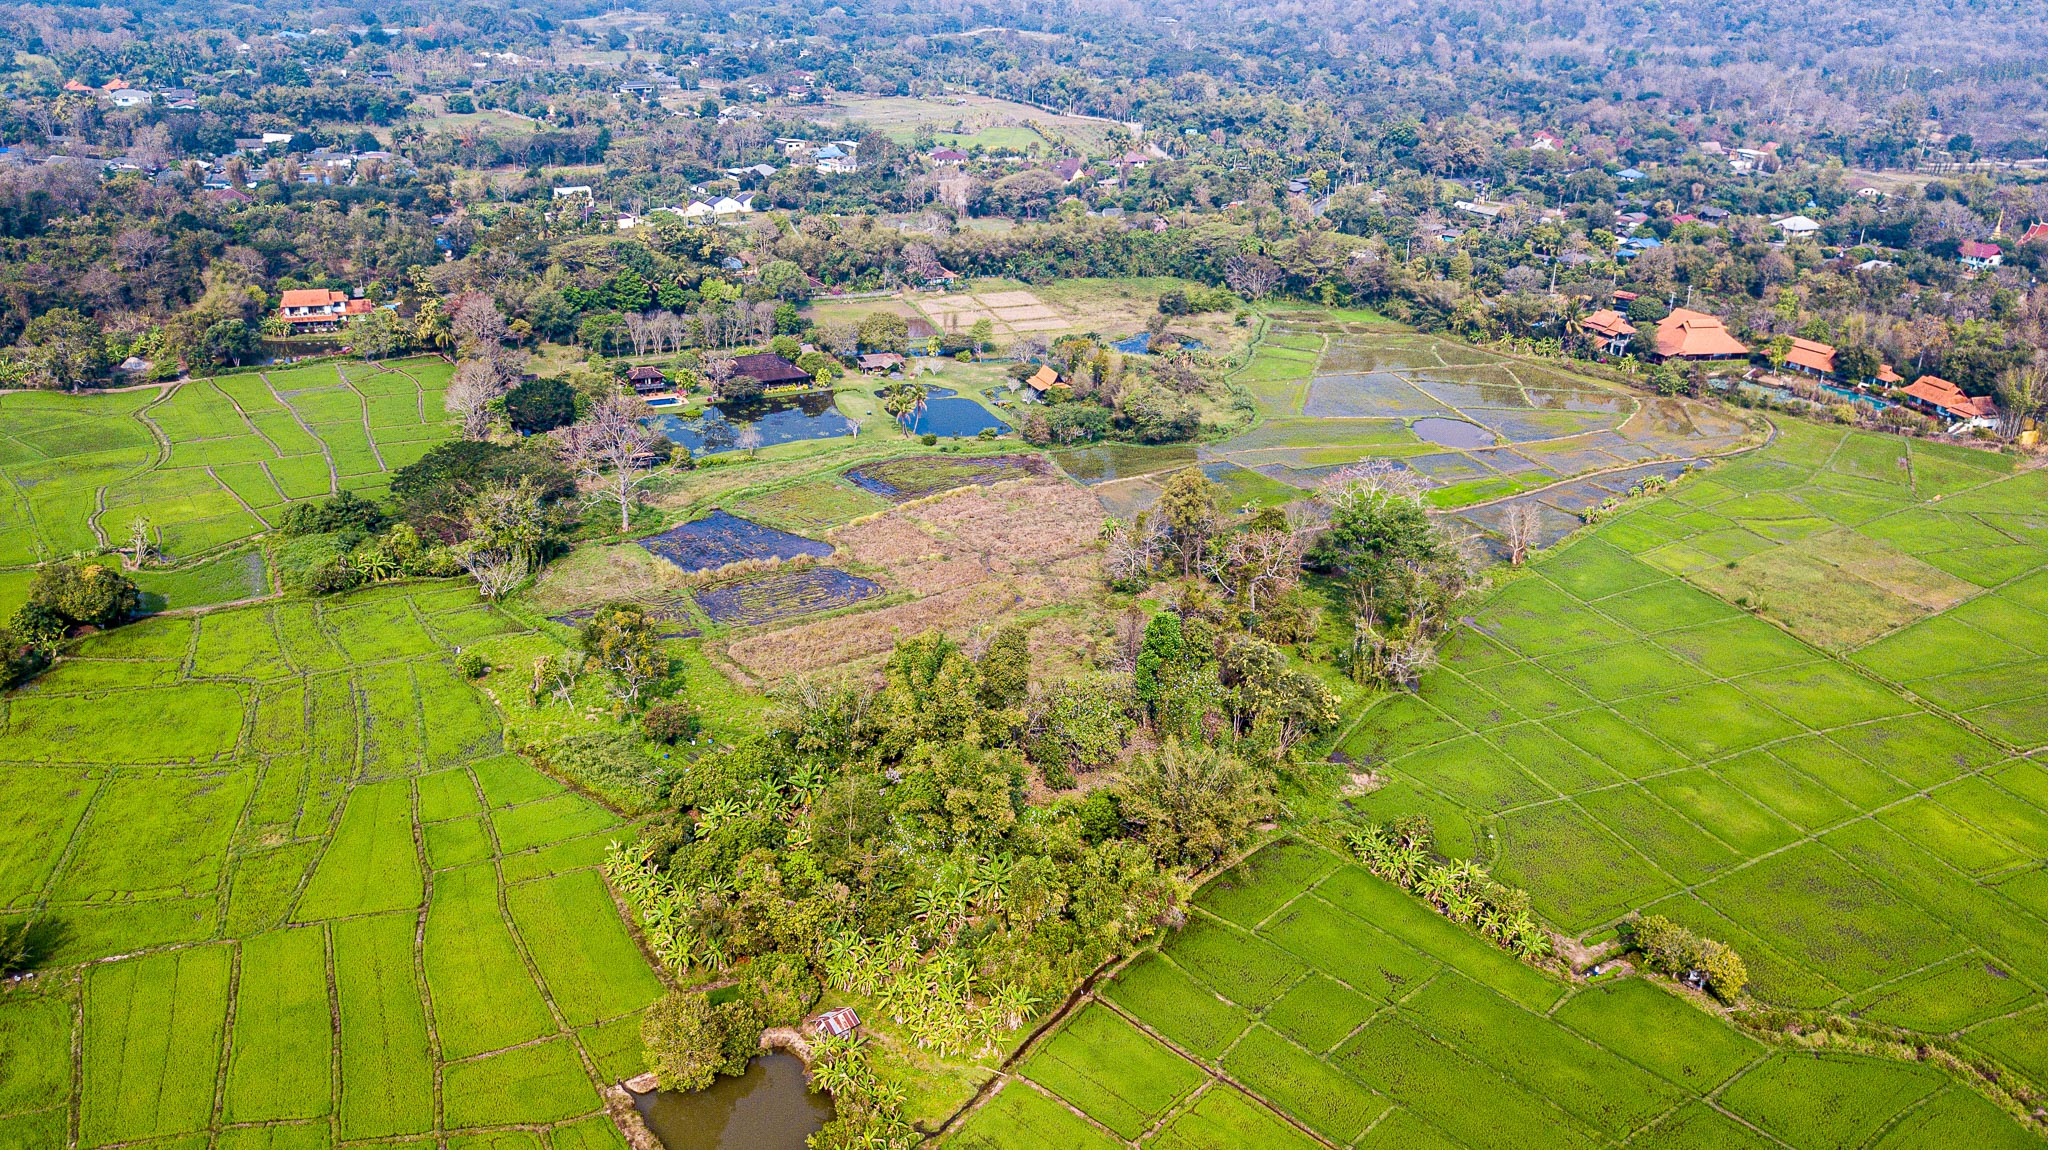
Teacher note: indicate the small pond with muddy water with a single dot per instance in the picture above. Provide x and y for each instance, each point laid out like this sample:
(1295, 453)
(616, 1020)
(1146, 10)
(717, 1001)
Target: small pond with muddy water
(770, 1107)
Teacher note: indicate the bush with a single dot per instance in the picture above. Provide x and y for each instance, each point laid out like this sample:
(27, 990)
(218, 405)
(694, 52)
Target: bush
(345, 512)
(670, 723)
(333, 577)
(471, 665)
(1669, 948)
(928, 439)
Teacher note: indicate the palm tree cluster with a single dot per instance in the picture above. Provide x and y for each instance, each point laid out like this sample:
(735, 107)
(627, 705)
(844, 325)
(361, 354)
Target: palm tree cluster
(659, 904)
(935, 995)
(1460, 891)
(869, 1110)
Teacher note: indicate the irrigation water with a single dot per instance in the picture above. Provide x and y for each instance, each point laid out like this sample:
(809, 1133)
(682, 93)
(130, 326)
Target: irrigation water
(783, 419)
(1453, 432)
(770, 1107)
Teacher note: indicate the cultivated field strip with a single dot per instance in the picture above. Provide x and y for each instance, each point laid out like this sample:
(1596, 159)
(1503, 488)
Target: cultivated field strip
(209, 461)
(1845, 796)
(1310, 1004)
(302, 897)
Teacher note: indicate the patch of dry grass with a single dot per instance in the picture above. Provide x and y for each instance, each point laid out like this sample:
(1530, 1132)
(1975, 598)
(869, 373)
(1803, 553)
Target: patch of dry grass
(974, 557)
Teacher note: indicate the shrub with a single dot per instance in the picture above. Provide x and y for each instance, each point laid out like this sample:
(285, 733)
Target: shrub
(670, 723)
(344, 512)
(1671, 949)
(928, 439)
(333, 577)
(471, 665)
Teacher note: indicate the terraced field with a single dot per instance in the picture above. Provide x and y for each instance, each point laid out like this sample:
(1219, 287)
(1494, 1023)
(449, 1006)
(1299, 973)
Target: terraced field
(1309, 1004)
(210, 461)
(298, 894)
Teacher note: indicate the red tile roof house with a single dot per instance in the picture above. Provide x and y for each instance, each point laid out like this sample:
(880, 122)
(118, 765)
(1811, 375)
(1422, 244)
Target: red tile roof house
(319, 309)
(1939, 397)
(1979, 255)
(1688, 334)
(1811, 357)
(1609, 329)
(2039, 232)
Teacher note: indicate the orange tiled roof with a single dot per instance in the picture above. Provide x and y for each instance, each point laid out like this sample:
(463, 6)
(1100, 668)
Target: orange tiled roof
(1691, 334)
(1609, 323)
(1812, 356)
(311, 297)
(1043, 378)
(1938, 392)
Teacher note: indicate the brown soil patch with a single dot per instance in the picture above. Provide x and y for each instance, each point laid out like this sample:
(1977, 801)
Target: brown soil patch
(1008, 299)
(975, 557)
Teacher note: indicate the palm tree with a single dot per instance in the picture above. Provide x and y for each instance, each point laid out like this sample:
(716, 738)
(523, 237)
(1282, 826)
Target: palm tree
(1571, 322)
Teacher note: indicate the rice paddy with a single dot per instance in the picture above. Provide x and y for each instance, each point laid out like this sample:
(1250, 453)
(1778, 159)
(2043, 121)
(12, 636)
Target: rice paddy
(1310, 1004)
(208, 462)
(721, 538)
(279, 913)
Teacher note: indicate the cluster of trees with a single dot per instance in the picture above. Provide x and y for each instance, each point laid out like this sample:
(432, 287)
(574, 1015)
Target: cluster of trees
(1669, 948)
(876, 839)
(62, 596)
(496, 511)
(1104, 394)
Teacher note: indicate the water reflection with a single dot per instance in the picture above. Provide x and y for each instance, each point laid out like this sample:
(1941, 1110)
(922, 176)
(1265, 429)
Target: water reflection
(1453, 432)
(768, 1108)
(784, 419)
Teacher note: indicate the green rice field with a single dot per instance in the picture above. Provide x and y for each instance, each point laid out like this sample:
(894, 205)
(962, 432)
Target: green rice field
(209, 461)
(1308, 1004)
(297, 894)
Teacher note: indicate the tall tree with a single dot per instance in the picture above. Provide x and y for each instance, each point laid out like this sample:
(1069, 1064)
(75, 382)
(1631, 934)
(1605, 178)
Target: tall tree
(613, 451)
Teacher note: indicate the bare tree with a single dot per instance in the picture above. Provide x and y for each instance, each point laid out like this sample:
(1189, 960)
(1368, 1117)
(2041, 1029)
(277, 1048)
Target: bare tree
(496, 569)
(475, 384)
(749, 441)
(139, 546)
(1131, 547)
(1260, 563)
(477, 324)
(1252, 276)
(636, 330)
(1519, 526)
(1371, 477)
(612, 450)
(842, 339)
(717, 370)
(921, 263)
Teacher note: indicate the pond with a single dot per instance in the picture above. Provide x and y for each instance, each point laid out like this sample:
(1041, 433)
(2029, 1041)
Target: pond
(1141, 343)
(1453, 432)
(945, 413)
(770, 1107)
(783, 419)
